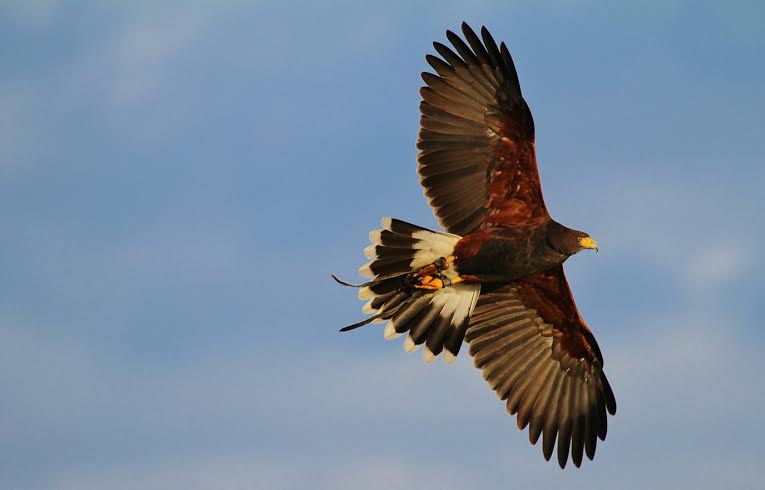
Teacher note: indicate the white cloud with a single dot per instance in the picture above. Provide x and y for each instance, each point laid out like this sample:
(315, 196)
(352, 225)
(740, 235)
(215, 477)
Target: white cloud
(708, 272)
(144, 52)
(707, 242)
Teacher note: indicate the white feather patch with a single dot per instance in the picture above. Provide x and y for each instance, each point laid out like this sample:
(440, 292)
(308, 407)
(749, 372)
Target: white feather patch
(458, 301)
(428, 356)
(410, 346)
(468, 296)
(450, 301)
(367, 308)
(365, 293)
(374, 237)
(449, 357)
(431, 246)
(385, 223)
(365, 270)
(370, 252)
(390, 331)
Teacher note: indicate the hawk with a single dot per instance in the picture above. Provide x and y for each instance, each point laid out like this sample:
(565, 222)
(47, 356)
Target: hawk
(494, 277)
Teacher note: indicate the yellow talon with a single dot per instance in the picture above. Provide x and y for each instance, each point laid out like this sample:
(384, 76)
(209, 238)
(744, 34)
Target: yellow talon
(433, 285)
(430, 282)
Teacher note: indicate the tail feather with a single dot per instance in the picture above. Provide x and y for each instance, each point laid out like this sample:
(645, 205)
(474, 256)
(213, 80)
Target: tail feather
(385, 267)
(382, 285)
(436, 319)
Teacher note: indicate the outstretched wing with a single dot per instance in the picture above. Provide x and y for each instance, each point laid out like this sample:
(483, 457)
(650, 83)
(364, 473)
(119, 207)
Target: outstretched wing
(477, 160)
(538, 354)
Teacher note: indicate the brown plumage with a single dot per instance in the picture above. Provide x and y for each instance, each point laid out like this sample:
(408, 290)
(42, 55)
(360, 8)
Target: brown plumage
(496, 278)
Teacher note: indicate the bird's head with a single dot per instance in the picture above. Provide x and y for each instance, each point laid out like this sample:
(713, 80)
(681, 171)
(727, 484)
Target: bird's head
(568, 241)
(586, 241)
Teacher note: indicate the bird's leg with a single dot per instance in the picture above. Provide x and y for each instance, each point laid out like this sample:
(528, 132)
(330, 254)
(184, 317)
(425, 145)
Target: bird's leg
(430, 277)
(436, 267)
(436, 282)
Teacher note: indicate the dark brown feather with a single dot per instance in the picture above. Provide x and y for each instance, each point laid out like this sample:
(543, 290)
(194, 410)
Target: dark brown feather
(477, 46)
(537, 417)
(564, 421)
(535, 390)
(422, 323)
(437, 114)
(402, 318)
(455, 337)
(442, 127)
(437, 335)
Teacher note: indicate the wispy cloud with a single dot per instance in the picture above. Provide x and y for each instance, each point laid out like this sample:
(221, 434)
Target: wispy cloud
(144, 51)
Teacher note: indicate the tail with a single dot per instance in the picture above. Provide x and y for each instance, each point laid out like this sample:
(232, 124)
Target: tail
(438, 319)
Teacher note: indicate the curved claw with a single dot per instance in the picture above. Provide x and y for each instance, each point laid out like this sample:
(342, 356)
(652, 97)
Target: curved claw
(439, 282)
(429, 282)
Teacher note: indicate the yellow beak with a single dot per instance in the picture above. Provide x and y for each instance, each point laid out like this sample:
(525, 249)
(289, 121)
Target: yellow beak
(588, 242)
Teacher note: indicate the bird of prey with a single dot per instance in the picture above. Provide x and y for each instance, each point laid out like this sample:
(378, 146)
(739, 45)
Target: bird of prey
(494, 277)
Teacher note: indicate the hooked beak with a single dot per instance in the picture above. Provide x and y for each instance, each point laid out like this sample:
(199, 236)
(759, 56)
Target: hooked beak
(588, 242)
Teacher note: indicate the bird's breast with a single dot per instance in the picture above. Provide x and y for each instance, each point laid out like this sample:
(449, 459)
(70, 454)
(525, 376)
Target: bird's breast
(503, 258)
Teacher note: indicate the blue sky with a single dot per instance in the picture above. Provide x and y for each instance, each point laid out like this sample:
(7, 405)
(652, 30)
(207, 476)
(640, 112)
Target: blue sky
(177, 181)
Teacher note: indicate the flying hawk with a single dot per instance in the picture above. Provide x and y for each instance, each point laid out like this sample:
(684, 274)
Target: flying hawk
(494, 277)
